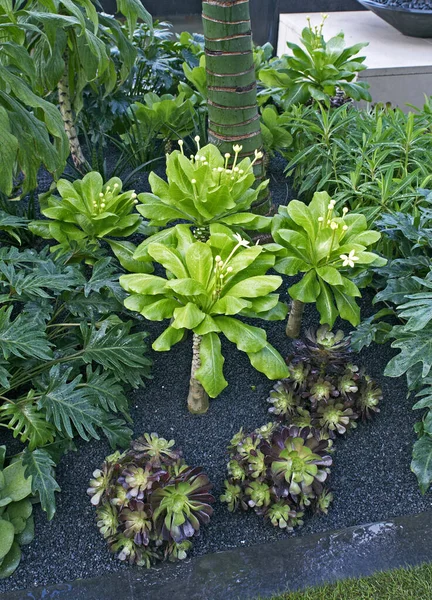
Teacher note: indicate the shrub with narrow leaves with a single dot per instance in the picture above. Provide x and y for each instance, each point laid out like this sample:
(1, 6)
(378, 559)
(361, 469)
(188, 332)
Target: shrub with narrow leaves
(150, 503)
(279, 472)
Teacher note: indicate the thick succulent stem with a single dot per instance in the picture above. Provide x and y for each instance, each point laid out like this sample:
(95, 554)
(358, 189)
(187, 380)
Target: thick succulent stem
(295, 319)
(231, 80)
(198, 400)
(67, 116)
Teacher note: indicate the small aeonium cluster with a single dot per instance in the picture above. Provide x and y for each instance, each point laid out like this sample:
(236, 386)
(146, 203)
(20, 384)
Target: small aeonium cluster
(150, 504)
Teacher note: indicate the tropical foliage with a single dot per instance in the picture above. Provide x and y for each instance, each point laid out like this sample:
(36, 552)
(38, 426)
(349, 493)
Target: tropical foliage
(208, 285)
(66, 358)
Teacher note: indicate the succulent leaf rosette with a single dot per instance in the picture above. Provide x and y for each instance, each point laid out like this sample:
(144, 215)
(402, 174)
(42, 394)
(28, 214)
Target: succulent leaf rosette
(202, 189)
(329, 249)
(293, 465)
(86, 212)
(208, 285)
(150, 503)
(324, 389)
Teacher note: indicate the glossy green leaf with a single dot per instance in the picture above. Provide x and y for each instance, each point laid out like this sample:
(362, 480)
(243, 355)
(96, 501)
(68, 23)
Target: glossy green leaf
(210, 373)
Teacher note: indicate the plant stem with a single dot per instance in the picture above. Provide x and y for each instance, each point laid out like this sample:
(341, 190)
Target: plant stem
(67, 116)
(198, 400)
(295, 319)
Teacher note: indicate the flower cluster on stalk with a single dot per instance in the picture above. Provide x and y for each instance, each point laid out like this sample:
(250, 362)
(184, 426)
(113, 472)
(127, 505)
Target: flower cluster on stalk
(228, 174)
(150, 503)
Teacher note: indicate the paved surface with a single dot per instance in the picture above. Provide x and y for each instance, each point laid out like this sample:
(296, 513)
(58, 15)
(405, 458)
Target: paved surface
(264, 570)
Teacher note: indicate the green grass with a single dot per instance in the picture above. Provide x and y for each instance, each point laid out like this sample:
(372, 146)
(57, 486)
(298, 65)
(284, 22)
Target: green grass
(402, 584)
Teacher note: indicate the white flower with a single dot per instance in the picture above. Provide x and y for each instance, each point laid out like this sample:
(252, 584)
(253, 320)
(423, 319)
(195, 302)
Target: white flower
(218, 258)
(227, 155)
(193, 181)
(241, 241)
(331, 205)
(345, 227)
(103, 204)
(349, 260)
(333, 225)
(197, 138)
(320, 219)
(344, 210)
(101, 195)
(229, 269)
(180, 143)
(258, 154)
(237, 148)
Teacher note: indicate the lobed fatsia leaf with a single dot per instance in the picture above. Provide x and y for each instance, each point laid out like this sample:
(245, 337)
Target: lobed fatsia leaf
(68, 406)
(40, 467)
(22, 336)
(92, 307)
(415, 347)
(118, 350)
(39, 282)
(104, 276)
(28, 422)
(117, 432)
(421, 464)
(105, 391)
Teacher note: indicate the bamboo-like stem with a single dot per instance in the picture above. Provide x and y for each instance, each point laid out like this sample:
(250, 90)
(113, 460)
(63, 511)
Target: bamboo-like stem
(231, 83)
(295, 319)
(68, 121)
(198, 400)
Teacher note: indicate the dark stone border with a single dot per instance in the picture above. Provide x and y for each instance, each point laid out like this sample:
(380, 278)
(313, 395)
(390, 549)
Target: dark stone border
(264, 570)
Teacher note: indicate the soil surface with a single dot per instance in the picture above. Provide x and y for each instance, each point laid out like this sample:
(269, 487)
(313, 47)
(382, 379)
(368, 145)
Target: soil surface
(370, 478)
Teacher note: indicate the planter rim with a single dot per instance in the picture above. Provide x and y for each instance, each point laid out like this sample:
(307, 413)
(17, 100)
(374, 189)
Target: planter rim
(402, 9)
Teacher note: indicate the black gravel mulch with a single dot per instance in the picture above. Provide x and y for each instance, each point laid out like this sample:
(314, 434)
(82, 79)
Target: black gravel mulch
(371, 477)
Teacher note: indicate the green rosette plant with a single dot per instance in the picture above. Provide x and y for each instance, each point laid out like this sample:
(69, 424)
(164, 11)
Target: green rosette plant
(150, 503)
(208, 286)
(203, 189)
(330, 251)
(16, 508)
(317, 71)
(86, 212)
(279, 472)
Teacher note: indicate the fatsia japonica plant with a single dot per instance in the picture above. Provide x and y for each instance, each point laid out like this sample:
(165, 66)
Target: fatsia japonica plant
(150, 503)
(67, 355)
(330, 250)
(203, 189)
(86, 212)
(208, 286)
(278, 472)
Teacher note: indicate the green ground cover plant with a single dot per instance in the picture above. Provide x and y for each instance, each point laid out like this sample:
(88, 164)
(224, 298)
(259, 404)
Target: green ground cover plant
(411, 583)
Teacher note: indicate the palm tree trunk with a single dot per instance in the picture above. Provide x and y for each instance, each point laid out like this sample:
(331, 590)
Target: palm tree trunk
(198, 400)
(67, 116)
(295, 319)
(231, 82)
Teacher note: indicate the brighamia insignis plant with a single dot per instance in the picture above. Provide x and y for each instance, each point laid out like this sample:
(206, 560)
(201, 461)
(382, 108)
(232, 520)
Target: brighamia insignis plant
(209, 284)
(203, 189)
(330, 250)
(317, 71)
(87, 211)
